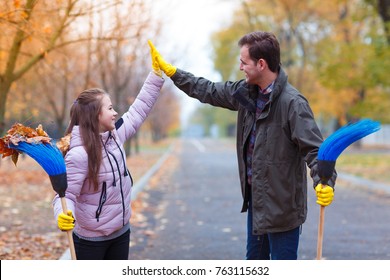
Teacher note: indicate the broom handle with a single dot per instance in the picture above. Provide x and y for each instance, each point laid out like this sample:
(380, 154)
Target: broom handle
(68, 232)
(320, 232)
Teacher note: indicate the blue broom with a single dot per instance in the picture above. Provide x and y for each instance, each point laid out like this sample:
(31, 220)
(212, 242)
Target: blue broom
(50, 158)
(328, 153)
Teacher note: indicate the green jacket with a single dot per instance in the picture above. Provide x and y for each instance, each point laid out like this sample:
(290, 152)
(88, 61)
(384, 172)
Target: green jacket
(288, 139)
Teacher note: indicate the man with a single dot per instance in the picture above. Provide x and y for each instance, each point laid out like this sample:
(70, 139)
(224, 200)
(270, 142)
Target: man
(276, 137)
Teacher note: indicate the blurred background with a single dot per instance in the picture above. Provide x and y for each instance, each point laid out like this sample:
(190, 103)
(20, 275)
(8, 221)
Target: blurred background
(336, 53)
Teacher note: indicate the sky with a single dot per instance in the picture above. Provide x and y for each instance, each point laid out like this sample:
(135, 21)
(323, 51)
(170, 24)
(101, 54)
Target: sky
(187, 28)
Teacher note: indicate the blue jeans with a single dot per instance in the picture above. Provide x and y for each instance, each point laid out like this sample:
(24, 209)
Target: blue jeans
(114, 249)
(275, 246)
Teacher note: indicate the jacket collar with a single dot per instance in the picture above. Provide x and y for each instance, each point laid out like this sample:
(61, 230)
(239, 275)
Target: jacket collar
(76, 139)
(280, 83)
(105, 136)
(248, 93)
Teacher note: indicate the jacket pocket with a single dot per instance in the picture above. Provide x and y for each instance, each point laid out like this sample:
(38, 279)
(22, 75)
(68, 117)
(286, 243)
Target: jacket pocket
(131, 177)
(279, 147)
(102, 200)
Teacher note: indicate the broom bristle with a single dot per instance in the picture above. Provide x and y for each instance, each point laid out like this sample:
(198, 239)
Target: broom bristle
(337, 142)
(48, 156)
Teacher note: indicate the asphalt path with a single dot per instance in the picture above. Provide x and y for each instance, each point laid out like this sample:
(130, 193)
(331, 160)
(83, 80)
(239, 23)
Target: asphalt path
(196, 213)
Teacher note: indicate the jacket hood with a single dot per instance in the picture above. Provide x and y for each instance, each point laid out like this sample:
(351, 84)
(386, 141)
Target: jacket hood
(76, 137)
(280, 83)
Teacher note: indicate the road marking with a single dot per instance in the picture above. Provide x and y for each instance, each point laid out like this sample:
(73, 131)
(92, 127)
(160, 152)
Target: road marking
(201, 148)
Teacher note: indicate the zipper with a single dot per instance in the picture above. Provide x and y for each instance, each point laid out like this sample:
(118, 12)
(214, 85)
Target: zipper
(102, 200)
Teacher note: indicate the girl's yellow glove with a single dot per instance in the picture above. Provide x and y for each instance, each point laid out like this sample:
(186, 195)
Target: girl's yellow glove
(324, 194)
(65, 221)
(157, 59)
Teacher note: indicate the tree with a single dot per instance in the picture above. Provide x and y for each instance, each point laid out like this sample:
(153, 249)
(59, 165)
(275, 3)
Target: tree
(352, 64)
(36, 29)
(337, 54)
(164, 118)
(383, 8)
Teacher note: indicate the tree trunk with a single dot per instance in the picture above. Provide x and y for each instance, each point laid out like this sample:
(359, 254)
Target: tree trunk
(384, 12)
(5, 86)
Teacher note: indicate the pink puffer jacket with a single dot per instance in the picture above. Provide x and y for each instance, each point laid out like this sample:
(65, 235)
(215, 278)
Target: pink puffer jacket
(107, 210)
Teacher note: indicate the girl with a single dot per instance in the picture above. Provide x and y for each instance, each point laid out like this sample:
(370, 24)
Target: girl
(99, 183)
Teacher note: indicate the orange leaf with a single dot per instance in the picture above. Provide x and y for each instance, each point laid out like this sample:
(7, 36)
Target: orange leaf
(64, 143)
(20, 133)
(17, 4)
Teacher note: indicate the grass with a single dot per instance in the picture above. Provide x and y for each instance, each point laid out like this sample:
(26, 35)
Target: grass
(373, 166)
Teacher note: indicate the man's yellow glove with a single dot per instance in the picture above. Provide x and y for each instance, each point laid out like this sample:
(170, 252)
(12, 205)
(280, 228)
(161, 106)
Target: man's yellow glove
(324, 194)
(65, 221)
(168, 69)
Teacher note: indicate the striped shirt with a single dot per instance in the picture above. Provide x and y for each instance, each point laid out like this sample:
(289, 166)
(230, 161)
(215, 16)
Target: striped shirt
(262, 99)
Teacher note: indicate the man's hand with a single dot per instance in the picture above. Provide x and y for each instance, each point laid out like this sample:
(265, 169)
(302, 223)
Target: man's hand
(168, 69)
(324, 194)
(65, 221)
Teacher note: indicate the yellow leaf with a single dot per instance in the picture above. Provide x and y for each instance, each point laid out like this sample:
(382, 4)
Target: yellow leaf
(24, 14)
(40, 131)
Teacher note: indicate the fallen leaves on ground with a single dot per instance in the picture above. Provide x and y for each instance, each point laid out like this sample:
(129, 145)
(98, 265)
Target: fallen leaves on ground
(27, 228)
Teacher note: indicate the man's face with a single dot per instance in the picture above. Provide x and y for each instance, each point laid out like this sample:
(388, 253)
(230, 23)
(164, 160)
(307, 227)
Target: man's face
(249, 67)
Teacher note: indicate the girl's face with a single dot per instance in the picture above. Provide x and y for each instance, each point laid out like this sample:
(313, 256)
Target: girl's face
(107, 115)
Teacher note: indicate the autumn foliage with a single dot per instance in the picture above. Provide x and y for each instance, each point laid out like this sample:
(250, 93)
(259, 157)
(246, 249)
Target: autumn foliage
(20, 133)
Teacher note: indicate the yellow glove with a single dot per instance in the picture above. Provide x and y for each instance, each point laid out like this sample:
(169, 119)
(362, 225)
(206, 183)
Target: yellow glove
(65, 221)
(324, 194)
(155, 64)
(168, 69)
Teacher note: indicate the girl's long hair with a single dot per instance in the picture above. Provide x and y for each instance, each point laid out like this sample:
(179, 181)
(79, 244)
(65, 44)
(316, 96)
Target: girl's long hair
(85, 113)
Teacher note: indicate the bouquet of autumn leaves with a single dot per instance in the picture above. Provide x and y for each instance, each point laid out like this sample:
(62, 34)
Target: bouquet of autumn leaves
(18, 133)
(37, 144)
